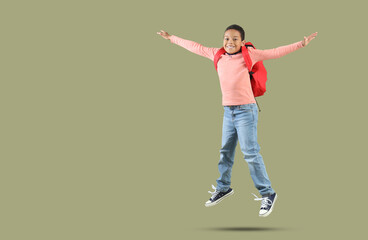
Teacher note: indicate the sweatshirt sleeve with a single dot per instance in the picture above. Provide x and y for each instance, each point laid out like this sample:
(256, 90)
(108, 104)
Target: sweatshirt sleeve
(194, 47)
(261, 55)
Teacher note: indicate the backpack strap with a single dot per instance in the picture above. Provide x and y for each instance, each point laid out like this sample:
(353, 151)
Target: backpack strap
(248, 62)
(246, 56)
(217, 56)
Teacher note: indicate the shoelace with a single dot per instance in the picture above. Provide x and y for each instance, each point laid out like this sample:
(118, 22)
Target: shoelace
(214, 193)
(265, 201)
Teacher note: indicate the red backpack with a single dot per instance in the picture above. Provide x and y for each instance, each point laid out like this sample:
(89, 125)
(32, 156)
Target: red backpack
(258, 74)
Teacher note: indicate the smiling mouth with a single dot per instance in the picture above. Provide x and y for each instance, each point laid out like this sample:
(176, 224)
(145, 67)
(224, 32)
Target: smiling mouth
(230, 47)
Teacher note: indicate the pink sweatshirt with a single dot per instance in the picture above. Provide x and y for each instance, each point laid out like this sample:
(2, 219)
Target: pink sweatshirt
(232, 71)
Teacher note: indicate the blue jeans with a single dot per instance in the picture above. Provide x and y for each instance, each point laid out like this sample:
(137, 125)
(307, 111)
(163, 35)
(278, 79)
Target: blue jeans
(240, 123)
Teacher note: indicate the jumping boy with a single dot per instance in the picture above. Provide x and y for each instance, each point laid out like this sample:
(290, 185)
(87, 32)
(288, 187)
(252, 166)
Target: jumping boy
(240, 110)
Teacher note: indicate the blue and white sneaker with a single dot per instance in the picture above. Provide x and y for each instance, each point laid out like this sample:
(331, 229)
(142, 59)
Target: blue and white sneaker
(218, 196)
(267, 204)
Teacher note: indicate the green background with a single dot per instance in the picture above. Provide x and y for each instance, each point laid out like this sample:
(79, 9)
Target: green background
(109, 131)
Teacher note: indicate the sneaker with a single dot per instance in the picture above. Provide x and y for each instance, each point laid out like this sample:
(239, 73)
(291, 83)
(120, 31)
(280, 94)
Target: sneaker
(266, 204)
(218, 196)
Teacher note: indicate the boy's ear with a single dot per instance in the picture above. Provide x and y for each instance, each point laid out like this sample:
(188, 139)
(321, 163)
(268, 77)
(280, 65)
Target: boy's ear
(243, 43)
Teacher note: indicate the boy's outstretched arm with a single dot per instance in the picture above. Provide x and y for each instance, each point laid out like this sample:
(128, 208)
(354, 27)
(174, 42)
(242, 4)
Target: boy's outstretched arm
(261, 55)
(190, 45)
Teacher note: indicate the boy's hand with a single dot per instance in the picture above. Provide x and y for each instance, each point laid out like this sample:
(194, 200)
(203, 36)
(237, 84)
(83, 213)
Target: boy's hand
(306, 40)
(164, 34)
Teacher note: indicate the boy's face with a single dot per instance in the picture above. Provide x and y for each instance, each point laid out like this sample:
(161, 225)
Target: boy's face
(232, 41)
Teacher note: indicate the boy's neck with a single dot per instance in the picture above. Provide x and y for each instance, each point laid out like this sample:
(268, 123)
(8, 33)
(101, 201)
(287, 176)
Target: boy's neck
(234, 53)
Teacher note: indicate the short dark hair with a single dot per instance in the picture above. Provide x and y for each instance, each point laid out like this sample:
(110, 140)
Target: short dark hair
(238, 28)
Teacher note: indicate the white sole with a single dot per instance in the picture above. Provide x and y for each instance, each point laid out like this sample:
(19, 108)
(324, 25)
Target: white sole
(219, 200)
(269, 212)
